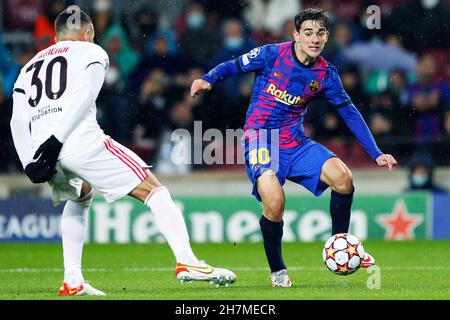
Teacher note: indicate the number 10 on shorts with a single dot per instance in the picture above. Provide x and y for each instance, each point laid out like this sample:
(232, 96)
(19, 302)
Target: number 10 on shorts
(259, 156)
(262, 157)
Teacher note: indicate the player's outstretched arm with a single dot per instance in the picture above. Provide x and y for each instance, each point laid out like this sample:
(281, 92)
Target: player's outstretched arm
(386, 160)
(335, 93)
(200, 85)
(358, 126)
(220, 72)
(249, 62)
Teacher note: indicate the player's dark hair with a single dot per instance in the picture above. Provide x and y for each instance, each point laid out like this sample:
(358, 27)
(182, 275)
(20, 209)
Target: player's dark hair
(314, 14)
(67, 21)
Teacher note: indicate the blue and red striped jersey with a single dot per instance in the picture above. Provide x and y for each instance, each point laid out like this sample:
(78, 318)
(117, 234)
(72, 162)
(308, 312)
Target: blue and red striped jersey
(283, 88)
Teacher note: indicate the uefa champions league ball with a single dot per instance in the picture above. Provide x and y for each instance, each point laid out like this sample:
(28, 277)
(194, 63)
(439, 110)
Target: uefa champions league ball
(343, 253)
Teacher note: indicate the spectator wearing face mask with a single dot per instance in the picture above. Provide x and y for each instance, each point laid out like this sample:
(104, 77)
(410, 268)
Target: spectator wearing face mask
(342, 37)
(113, 104)
(421, 174)
(198, 40)
(146, 29)
(235, 43)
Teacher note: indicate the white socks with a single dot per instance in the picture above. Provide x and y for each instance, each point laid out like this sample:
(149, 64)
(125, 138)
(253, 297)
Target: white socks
(170, 223)
(73, 231)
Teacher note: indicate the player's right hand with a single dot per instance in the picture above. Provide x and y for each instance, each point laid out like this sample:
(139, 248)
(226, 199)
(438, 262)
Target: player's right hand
(199, 85)
(386, 160)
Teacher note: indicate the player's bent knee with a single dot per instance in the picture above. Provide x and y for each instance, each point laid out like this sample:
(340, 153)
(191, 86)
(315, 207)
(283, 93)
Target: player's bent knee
(274, 207)
(272, 198)
(344, 183)
(87, 193)
(272, 216)
(146, 187)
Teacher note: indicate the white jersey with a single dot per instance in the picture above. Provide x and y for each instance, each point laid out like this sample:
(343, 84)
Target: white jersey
(51, 82)
(55, 94)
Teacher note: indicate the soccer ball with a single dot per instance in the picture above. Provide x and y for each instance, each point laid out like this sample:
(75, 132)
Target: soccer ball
(343, 253)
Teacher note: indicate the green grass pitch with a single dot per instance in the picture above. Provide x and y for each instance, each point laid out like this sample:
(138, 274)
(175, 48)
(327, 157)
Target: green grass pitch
(408, 270)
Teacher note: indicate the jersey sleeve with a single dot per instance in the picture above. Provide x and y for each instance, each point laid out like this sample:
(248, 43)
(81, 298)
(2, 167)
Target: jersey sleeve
(358, 126)
(253, 60)
(334, 91)
(20, 124)
(97, 56)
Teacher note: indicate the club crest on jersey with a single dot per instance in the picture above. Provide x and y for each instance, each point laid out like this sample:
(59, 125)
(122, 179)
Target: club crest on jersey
(283, 96)
(255, 167)
(314, 85)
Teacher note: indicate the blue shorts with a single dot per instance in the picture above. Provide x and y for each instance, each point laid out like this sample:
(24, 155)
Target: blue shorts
(301, 164)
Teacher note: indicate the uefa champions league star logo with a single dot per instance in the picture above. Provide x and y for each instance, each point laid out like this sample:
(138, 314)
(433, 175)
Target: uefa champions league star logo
(254, 53)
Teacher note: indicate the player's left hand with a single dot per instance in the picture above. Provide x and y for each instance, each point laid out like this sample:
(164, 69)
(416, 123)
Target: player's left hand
(386, 160)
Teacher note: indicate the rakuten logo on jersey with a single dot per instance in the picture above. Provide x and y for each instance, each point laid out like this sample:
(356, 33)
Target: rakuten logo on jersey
(284, 96)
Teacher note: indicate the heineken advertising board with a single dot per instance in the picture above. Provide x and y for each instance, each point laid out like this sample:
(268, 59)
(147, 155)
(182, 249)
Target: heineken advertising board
(233, 219)
(236, 219)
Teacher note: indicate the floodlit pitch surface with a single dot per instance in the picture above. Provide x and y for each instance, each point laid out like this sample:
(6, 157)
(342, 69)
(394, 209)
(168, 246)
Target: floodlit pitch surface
(407, 270)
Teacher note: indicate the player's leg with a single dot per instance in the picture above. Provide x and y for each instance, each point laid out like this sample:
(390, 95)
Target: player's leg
(265, 164)
(171, 224)
(168, 217)
(272, 196)
(115, 171)
(338, 176)
(73, 232)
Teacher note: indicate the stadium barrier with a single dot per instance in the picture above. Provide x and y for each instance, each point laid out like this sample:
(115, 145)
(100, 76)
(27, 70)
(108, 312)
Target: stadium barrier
(234, 219)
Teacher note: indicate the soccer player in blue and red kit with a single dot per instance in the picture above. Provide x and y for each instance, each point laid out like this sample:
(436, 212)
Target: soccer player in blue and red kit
(288, 76)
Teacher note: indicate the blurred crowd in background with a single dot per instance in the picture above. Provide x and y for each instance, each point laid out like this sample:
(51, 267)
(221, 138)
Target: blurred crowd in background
(398, 76)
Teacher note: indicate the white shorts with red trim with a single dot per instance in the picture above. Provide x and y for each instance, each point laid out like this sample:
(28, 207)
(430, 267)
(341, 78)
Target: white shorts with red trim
(109, 167)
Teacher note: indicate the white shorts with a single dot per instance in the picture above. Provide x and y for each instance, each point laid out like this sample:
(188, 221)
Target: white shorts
(105, 164)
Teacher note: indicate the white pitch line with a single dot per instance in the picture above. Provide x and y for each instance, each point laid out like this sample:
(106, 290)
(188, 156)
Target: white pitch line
(49, 270)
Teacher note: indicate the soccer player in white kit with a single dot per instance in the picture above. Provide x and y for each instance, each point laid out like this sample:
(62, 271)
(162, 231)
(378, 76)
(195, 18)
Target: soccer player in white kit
(59, 141)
